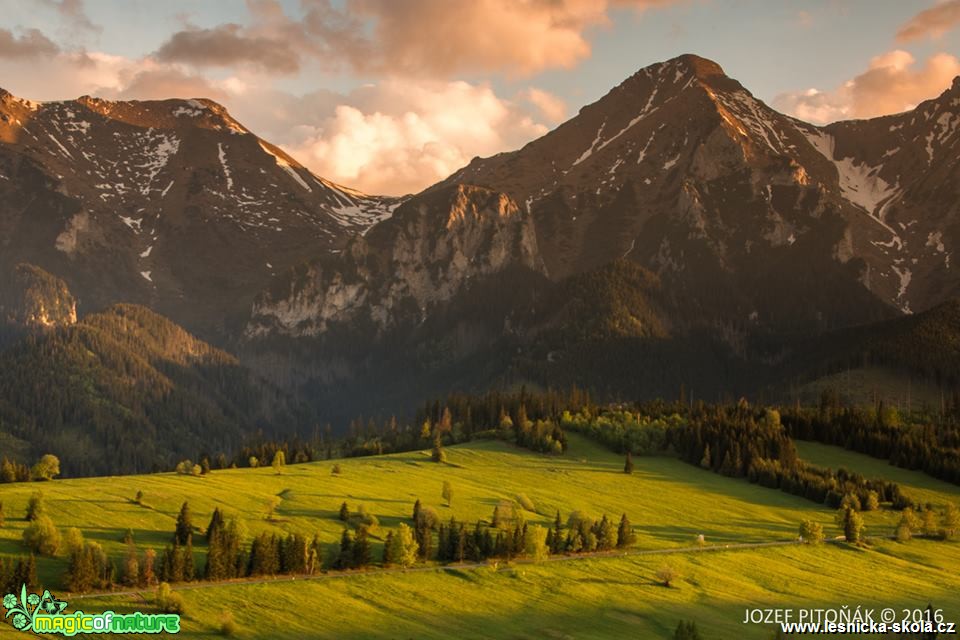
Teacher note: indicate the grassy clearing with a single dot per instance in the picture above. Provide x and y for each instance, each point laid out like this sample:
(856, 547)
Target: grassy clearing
(669, 502)
(919, 486)
(600, 598)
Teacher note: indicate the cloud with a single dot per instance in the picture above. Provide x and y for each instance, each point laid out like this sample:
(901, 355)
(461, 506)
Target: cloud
(397, 137)
(227, 45)
(30, 44)
(892, 83)
(160, 83)
(74, 13)
(441, 37)
(414, 37)
(551, 107)
(932, 22)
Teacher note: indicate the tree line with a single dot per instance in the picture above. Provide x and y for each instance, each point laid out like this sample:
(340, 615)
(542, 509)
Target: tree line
(920, 441)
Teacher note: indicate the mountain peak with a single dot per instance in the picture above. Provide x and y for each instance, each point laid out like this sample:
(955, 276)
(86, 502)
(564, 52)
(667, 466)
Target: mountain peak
(171, 113)
(702, 68)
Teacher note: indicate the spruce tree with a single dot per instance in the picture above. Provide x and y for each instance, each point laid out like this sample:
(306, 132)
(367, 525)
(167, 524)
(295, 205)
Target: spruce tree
(557, 535)
(362, 552)
(184, 529)
(216, 524)
(625, 535)
(388, 545)
(606, 536)
(30, 572)
(345, 559)
(628, 464)
(189, 570)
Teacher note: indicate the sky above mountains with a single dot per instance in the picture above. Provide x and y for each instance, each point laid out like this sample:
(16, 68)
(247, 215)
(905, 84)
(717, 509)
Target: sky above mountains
(389, 96)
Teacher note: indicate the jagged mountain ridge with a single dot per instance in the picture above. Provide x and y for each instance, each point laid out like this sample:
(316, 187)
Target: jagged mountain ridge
(170, 203)
(681, 151)
(678, 203)
(750, 230)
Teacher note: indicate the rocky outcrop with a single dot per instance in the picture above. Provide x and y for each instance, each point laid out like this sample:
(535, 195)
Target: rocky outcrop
(433, 248)
(34, 299)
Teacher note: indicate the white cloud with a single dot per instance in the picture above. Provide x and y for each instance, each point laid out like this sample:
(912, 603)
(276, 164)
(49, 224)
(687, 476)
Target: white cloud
(398, 138)
(892, 83)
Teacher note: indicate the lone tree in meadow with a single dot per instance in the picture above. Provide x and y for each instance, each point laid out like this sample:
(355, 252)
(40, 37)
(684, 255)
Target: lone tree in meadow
(344, 512)
(279, 462)
(811, 532)
(47, 468)
(438, 454)
(666, 575)
(447, 492)
(628, 464)
(851, 522)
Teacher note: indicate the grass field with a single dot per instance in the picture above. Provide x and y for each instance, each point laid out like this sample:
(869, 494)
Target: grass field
(669, 503)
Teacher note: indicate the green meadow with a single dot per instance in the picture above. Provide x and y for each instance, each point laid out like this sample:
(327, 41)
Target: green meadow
(669, 502)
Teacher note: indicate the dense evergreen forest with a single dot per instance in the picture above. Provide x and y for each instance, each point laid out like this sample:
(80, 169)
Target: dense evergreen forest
(127, 391)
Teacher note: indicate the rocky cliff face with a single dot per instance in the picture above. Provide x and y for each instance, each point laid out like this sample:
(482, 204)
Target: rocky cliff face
(31, 298)
(429, 251)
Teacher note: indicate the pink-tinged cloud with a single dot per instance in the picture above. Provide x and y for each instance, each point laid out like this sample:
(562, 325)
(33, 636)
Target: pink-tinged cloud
(399, 137)
(29, 44)
(893, 83)
(932, 22)
(413, 37)
(551, 107)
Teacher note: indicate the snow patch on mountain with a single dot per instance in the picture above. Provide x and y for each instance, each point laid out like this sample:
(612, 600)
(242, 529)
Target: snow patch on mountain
(158, 149)
(223, 163)
(860, 183)
(589, 152)
(905, 276)
(63, 149)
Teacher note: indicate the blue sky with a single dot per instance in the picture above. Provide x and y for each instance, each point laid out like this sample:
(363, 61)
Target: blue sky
(351, 85)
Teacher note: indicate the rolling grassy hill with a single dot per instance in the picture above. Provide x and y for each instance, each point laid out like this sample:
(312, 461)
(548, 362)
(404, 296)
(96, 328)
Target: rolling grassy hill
(669, 503)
